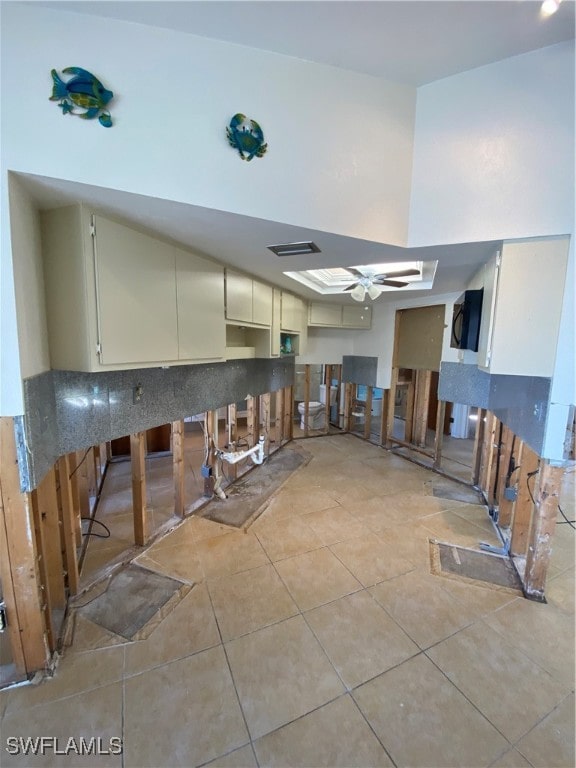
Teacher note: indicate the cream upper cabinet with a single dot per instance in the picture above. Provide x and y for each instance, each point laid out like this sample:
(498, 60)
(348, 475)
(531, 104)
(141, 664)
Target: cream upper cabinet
(275, 332)
(356, 316)
(521, 307)
(292, 317)
(115, 298)
(200, 298)
(325, 314)
(339, 316)
(247, 300)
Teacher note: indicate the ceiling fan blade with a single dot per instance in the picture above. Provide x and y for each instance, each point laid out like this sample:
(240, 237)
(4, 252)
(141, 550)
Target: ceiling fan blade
(391, 283)
(351, 287)
(354, 271)
(400, 273)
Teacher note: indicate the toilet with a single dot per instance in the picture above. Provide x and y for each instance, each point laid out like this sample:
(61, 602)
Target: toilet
(316, 410)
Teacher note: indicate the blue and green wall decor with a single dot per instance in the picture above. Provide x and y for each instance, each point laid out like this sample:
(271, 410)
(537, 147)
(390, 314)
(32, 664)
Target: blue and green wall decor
(81, 91)
(246, 136)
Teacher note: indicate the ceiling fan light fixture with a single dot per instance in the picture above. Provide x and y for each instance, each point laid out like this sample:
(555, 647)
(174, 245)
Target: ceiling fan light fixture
(549, 7)
(294, 249)
(374, 291)
(358, 293)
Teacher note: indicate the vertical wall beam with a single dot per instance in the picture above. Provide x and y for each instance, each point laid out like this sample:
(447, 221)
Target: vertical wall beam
(543, 529)
(178, 467)
(383, 417)
(328, 390)
(18, 562)
(524, 506)
(478, 446)
(49, 520)
(138, 457)
(279, 421)
(439, 437)
(211, 426)
(251, 421)
(391, 408)
(232, 438)
(265, 408)
(423, 382)
(68, 520)
(306, 398)
(368, 415)
(410, 403)
(504, 506)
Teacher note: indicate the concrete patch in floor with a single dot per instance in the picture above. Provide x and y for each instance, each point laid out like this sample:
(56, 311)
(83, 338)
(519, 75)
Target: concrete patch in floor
(456, 492)
(481, 568)
(248, 497)
(135, 601)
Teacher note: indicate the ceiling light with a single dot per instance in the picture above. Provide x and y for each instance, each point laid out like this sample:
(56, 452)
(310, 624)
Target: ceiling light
(374, 291)
(358, 293)
(294, 249)
(549, 7)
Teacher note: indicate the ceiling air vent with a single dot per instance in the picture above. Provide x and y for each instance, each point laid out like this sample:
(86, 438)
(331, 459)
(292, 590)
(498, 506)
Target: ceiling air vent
(294, 249)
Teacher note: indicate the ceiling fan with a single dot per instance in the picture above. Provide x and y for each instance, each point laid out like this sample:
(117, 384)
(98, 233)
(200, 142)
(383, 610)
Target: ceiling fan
(368, 284)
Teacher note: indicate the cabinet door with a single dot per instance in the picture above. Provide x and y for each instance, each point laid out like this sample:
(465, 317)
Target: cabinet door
(136, 296)
(356, 317)
(238, 297)
(200, 296)
(325, 314)
(261, 303)
(288, 319)
(275, 332)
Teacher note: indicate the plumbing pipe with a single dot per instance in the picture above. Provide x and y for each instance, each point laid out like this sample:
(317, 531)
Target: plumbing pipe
(233, 457)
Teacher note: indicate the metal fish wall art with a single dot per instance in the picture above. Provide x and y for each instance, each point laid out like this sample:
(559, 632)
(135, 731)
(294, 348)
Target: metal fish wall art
(82, 91)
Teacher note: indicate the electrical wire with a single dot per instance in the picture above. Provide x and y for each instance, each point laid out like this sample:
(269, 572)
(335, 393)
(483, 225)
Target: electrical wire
(86, 452)
(89, 532)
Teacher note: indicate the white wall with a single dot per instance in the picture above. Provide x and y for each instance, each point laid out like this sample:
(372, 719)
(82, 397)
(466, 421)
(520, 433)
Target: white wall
(340, 143)
(494, 152)
(328, 345)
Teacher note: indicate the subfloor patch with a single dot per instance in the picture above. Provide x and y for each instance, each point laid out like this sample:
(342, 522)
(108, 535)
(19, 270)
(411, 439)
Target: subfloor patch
(134, 602)
(482, 568)
(455, 492)
(248, 495)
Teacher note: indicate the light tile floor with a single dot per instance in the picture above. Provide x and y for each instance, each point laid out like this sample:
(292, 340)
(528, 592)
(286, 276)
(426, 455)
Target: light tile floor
(318, 637)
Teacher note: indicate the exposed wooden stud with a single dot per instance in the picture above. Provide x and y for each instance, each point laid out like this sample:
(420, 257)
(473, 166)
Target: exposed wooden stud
(383, 417)
(72, 462)
(50, 522)
(306, 399)
(279, 416)
(439, 436)
(524, 506)
(423, 381)
(211, 425)
(265, 408)
(43, 569)
(478, 445)
(68, 520)
(368, 414)
(391, 406)
(178, 467)
(81, 474)
(410, 402)
(349, 390)
(290, 412)
(542, 530)
(504, 506)
(251, 421)
(138, 454)
(413, 447)
(232, 438)
(18, 562)
(489, 450)
(328, 390)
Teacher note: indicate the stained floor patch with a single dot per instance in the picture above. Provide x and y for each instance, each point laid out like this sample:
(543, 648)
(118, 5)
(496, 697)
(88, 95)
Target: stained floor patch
(249, 495)
(491, 570)
(134, 602)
